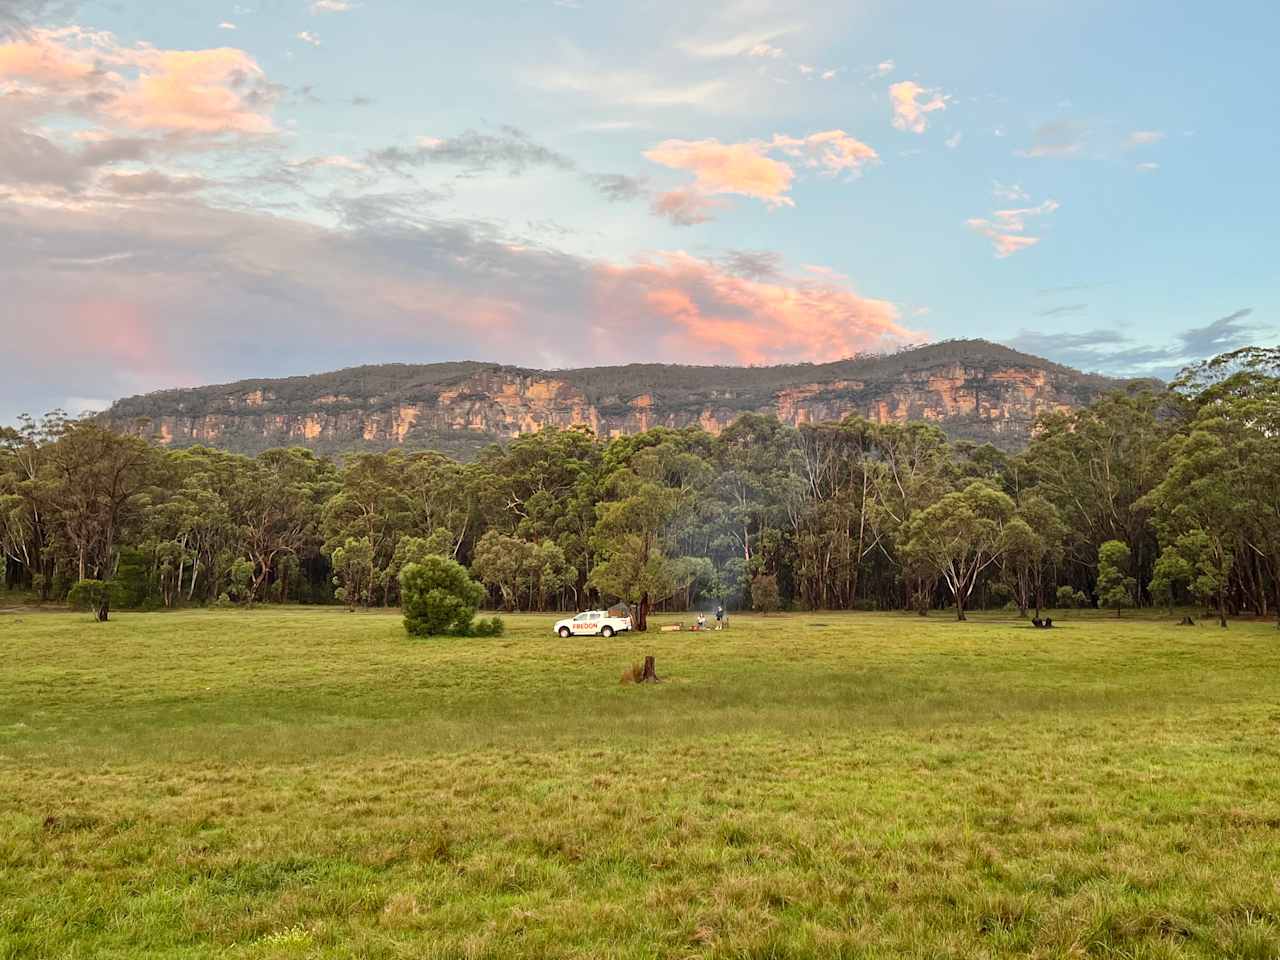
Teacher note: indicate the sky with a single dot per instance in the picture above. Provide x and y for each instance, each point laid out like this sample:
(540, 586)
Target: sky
(194, 191)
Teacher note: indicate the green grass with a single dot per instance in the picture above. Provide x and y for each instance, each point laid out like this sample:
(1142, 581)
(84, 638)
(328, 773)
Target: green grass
(311, 783)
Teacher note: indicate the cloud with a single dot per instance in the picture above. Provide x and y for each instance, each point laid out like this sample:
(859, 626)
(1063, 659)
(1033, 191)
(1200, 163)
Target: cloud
(883, 69)
(833, 151)
(20, 16)
(1009, 191)
(1065, 309)
(509, 149)
(912, 103)
(953, 141)
(71, 71)
(1220, 336)
(332, 6)
(1006, 229)
(227, 25)
(152, 182)
(753, 264)
(306, 36)
(747, 169)
(630, 88)
(335, 161)
(1107, 350)
(740, 168)
(1142, 138)
(751, 43)
(1147, 167)
(391, 284)
(617, 187)
(1062, 138)
(685, 207)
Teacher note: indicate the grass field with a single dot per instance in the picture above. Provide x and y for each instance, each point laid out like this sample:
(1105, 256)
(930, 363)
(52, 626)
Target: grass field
(312, 783)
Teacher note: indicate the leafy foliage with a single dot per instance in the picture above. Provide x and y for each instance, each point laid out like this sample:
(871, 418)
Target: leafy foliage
(439, 597)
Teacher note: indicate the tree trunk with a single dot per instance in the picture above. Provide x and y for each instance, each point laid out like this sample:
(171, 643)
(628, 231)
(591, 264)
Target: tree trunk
(1222, 608)
(641, 622)
(104, 608)
(650, 674)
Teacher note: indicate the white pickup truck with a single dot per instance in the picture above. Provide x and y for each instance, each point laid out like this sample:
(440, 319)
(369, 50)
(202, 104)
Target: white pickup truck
(593, 623)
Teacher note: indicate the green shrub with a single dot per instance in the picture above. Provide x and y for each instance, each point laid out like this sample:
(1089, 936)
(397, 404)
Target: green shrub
(764, 593)
(92, 595)
(1068, 598)
(439, 598)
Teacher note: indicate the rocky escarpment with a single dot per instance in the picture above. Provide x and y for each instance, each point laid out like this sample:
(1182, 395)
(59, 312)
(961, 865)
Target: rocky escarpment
(973, 389)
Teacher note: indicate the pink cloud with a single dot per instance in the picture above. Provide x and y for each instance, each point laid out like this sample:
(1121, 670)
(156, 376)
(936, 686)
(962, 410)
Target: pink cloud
(909, 109)
(747, 169)
(193, 90)
(685, 207)
(75, 71)
(1006, 229)
(741, 168)
(833, 150)
(709, 314)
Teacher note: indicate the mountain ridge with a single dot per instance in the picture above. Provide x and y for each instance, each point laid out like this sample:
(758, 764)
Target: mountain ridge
(974, 389)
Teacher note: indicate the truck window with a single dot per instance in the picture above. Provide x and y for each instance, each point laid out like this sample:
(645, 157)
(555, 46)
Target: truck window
(595, 616)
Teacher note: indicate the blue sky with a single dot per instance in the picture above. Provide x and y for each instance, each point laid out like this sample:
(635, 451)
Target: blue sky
(197, 192)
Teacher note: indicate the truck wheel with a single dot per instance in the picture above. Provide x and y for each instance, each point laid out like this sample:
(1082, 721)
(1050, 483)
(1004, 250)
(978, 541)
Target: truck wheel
(606, 632)
(564, 633)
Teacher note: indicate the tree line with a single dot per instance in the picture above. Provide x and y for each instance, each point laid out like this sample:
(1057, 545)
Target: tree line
(1144, 497)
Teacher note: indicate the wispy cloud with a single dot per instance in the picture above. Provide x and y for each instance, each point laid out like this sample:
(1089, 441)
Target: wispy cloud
(1107, 350)
(332, 6)
(752, 43)
(1063, 310)
(508, 149)
(1006, 229)
(1143, 138)
(306, 36)
(1061, 138)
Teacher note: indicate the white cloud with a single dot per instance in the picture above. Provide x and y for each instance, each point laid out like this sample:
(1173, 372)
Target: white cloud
(307, 36)
(1143, 138)
(754, 43)
(1009, 191)
(332, 6)
(225, 25)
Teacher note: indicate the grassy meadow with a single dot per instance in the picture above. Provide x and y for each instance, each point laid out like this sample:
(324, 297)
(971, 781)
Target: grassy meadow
(312, 783)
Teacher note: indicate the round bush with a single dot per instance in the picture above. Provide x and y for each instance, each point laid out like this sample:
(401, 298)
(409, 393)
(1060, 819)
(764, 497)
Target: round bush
(438, 597)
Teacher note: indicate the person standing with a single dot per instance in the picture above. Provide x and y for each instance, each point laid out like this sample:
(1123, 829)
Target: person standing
(720, 617)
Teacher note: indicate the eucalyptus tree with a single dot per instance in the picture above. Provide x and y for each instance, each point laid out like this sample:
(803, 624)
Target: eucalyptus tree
(960, 536)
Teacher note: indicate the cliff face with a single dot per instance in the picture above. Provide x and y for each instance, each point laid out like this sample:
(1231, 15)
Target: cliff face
(972, 389)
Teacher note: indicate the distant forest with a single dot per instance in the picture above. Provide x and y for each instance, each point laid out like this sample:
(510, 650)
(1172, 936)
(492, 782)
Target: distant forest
(1143, 497)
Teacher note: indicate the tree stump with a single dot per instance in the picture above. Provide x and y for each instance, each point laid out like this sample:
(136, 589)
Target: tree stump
(1186, 622)
(650, 675)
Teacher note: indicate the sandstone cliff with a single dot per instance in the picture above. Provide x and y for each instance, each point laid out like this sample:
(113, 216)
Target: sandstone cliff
(973, 389)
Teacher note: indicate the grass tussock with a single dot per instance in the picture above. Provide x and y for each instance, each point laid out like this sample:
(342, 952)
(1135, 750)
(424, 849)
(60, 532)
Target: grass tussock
(306, 783)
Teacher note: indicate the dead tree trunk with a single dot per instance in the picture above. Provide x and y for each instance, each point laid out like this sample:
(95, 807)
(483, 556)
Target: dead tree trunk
(650, 674)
